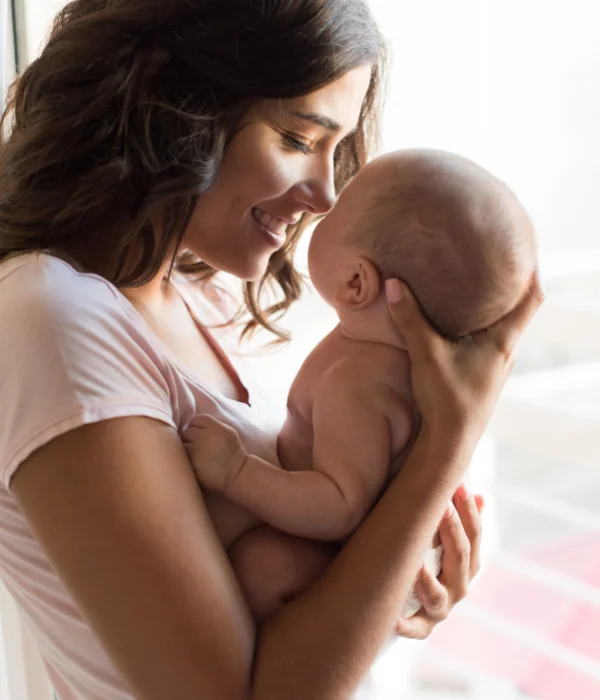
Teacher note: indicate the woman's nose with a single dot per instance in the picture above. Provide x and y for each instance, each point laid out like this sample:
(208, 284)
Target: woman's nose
(317, 192)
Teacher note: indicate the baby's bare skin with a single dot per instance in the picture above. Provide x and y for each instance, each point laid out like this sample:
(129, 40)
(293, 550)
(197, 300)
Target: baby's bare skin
(377, 372)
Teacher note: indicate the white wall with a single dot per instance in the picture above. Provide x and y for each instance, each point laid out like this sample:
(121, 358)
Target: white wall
(38, 18)
(514, 84)
(437, 87)
(546, 73)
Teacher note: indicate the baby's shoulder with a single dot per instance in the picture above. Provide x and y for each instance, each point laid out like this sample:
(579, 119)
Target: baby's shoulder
(372, 373)
(379, 376)
(378, 365)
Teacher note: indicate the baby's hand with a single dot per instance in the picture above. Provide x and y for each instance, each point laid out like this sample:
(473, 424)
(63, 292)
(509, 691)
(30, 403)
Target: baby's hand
(215, 451)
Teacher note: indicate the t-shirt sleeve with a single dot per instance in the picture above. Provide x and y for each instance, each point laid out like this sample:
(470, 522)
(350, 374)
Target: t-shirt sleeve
(71, 352)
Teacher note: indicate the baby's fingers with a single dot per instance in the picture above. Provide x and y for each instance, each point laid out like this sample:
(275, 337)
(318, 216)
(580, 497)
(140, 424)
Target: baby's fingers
(198, 425)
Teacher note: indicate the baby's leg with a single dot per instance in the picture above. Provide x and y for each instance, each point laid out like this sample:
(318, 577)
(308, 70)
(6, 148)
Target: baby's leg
(274, 567)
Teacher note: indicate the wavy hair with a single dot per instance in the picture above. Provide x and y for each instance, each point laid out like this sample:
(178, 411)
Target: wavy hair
(129, 109)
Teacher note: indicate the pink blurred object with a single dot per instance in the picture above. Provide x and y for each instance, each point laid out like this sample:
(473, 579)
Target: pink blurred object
(555, 616)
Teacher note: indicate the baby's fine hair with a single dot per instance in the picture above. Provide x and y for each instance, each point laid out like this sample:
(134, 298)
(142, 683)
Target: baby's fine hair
(454, 233)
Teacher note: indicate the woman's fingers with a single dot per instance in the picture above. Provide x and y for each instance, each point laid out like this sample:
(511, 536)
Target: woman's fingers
(433, 596)
(509, 329)
(479, 502)
(406, 314)
(469, 514)
(456, 560)
(435, 608)
(418, 626)
(415, 627)
(460, 534)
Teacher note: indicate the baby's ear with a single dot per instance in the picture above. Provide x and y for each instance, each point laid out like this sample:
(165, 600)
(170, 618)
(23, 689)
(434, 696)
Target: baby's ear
(360, 287)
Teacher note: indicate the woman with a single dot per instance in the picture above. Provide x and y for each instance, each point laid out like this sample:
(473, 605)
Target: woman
(148, 136)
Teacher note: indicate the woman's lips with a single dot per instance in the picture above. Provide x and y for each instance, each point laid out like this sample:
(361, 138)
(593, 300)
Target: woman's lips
(274, 228)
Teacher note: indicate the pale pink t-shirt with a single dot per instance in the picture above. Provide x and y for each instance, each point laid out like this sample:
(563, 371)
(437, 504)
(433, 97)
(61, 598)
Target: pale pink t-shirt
(73, 350)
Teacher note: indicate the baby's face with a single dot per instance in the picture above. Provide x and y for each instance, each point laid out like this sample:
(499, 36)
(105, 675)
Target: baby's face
(330, 256)
(325, 251)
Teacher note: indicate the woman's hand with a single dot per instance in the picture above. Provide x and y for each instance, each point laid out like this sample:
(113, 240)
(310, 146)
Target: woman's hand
(460, 534)
(456, 384)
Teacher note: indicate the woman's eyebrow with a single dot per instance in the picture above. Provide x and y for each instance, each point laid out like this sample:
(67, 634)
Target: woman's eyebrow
(318, 119)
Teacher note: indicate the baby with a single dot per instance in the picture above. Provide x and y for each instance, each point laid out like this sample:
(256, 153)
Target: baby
(465, 246)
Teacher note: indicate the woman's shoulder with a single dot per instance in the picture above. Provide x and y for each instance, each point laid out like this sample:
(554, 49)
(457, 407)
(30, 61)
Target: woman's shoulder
(72, 351)
(36, 284)
(53, 313)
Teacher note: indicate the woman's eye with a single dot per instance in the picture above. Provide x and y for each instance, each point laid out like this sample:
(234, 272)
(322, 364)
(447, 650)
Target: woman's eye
(296, 143)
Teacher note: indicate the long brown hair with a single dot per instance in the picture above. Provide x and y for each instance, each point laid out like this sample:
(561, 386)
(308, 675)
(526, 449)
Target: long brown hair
(130, 106)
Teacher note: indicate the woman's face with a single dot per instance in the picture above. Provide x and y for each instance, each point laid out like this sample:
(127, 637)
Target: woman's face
(278, 166)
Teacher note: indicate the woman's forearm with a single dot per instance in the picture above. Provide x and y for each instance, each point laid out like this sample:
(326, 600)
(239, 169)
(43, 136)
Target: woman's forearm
(322, 644)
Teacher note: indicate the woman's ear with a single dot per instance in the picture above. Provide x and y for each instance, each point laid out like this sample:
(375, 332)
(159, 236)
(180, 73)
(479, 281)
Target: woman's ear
(360, 287)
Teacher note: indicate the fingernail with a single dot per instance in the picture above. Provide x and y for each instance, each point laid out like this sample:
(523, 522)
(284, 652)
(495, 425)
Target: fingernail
(463, 492)
(449, 510)
(394, 291)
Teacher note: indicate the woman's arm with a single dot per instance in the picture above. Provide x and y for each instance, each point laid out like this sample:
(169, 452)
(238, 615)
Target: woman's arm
(133, 542)
(120, 515)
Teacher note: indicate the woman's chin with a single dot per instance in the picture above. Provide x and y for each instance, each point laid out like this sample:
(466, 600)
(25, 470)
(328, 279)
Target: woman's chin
(250, 271)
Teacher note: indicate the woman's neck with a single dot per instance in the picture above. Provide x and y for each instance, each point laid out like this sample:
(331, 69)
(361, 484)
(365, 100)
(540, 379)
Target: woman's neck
(155, 293)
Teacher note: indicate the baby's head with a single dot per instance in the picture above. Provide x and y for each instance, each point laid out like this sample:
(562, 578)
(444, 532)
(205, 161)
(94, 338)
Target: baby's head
(454, 233)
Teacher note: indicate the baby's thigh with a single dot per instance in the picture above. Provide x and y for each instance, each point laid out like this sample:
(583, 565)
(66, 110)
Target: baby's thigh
(274, 567)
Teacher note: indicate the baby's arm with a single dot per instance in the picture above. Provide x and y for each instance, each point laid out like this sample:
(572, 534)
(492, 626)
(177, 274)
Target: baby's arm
(351, 458)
